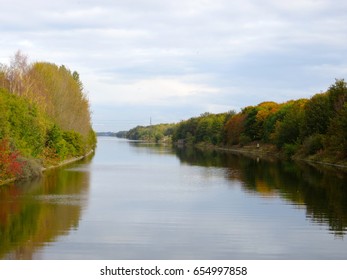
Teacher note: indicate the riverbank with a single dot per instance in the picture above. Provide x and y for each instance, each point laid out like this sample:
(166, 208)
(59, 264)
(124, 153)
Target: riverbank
(7, 181)
(256, 150)
(67, 161)
(42, 169)
(271, 153)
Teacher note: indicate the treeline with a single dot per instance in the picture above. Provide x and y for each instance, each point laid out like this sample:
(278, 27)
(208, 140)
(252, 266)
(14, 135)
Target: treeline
(313, 128)
(45, 116)
(153, 133)
(207, 128)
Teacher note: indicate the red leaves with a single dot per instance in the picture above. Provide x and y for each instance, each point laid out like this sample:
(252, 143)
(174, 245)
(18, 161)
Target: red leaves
(10, 166)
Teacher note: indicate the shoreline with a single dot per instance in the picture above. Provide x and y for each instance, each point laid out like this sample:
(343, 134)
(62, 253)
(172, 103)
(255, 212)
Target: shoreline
(67, 161)
(43, 169)
(314, 162)
(268, 152)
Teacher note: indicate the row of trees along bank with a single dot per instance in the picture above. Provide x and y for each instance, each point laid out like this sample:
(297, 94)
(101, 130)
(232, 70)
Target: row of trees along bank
(45, 117)
(314, 128)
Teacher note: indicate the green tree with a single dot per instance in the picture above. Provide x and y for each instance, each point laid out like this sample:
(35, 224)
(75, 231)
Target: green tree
(265, 111)
(4, 116)
(337, 134)
(317, 115)
(338, 94)
(287, 131)
(250, 123)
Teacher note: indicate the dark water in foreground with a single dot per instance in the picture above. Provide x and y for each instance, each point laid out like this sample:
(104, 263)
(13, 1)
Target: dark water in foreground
(138, 201)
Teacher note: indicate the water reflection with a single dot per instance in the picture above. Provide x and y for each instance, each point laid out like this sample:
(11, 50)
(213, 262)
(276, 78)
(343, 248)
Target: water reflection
(321, 190)
(35, 213)
(154, 202)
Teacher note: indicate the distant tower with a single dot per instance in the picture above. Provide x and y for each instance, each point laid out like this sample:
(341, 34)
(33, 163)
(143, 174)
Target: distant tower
(150, 120)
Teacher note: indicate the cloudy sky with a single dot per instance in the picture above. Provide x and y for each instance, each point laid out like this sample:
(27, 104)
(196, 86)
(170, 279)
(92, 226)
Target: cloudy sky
(170, 60)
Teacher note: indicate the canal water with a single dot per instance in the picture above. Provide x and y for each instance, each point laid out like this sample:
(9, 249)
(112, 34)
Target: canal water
(143, 201)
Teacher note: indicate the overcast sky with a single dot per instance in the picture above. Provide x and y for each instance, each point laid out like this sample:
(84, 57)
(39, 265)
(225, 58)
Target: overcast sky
(171, 60)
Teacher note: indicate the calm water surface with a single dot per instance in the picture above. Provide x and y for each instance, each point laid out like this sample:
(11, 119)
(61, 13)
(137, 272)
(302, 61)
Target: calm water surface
(141, 201)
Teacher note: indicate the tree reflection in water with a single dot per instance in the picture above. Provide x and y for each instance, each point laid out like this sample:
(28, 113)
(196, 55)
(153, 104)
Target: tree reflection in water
(321, 190)
(33, 214)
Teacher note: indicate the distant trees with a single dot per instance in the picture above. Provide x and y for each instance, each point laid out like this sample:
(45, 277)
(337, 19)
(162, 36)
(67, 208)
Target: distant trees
(315, 126)
(153, 133)
(208, 128)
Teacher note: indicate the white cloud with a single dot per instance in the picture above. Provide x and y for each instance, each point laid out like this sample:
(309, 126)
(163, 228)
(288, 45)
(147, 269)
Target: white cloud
(213, 54)
(153, 91)
(76, 15)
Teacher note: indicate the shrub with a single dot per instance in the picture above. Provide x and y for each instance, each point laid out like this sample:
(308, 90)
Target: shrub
(244, 140)
(31, 168)
(10, 166)
(74, 143)
(290, 149)
(312, 144)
